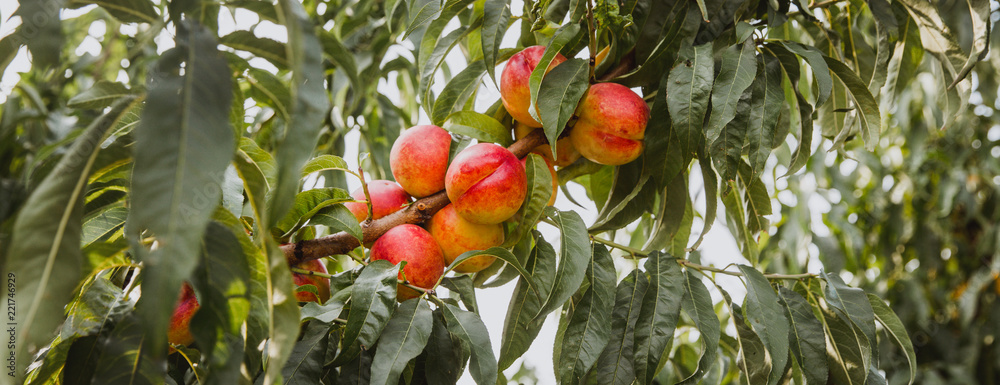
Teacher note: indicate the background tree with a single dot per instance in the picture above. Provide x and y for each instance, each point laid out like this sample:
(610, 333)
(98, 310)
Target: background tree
(184, 150)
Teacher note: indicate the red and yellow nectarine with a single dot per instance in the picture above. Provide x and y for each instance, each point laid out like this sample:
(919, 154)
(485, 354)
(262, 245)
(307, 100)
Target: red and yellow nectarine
(387, 198)
(514, 92)
(486, 183)
(179, 332)
(322, 283)
(419, 159)
(457, 235)
(611, 124)
(423, 256)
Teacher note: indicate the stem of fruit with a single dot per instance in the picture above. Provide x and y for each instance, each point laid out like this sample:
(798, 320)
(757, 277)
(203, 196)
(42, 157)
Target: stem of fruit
(634, 253)
(418, 212)
(592, 44)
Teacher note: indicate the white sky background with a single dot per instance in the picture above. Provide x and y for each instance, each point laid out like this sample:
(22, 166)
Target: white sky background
(719, 247)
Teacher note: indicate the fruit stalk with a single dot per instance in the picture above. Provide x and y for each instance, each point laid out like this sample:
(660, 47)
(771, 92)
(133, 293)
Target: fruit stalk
(418, 212)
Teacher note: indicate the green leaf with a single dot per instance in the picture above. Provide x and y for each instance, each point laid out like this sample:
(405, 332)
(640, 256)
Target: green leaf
(895, 328)
(521, 326)
(338, 218)
(268, 49)
(806, 337)
(768, 97)
(103, 225)
(323, 163)
(122, 360)
(421, 12)
(305, 363)
(758, 201)
(847, 350)
(563, 36)
(697, 303)
(535, 201)
(309, 106)
(465, 289)
(307, 204)
(446, 354)
(372, 303)
(264, 87)
(981, 26)
(282, 311)
(937, 38)
(102, 94)
(737, 72)
(855, 306)
(735, 217)
(457, 92)
(47, 235)
(478, 126)
(765, 315)
(499, 252)
(589, 328)
(658, 316)
(615, 365)
(574, 253)
(672, 228)
(559, 93)
(42, 32)
(867, 108)
(753, 360)
(726, 150)
(470, 328)
(689, 86)
(404, 338)
(128, 11)
(330, 310)
(496, 20)
(820, 69)
(430, 61)
(804, 150)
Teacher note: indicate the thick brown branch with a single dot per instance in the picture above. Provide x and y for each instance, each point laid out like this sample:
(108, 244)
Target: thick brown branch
(418, 212)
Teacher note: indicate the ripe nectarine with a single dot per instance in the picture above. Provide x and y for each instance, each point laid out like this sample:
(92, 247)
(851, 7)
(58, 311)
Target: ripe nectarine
(457, 235)
(514, 92)
(387, 198)
(423, 256)
(611, 125)
(419, 159)
(322, 283)
(179, 332)
(486, 183)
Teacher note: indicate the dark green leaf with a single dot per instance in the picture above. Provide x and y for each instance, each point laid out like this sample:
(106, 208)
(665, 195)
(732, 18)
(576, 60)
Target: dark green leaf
(574, 253)
(372, 303)
(765, 315)
(758, 201)
(128, 11)
(122, 361)
(521, 326)
(470, 328)
(753, 360)
(806, 337)
(496, 19)
(589, 328)
(848, 350)
(768, 97)
(698, 305)
(330, 310)
(938, 39)
(457, 92)
(499, 252)
(615, 365)
(305, 363)
(820, 69)
(446, 354)
(735, 217)
(307, 204)
(42, 32)
(661, 307)
(421, 12)
(867, 108)
(737, 72)
(404, 338)
(337, 218)
(854, 304)
(726, 150)
(559, 93)
(689, 86)
(563, 36)
(895, 328)
(463, 287)
(535, 201)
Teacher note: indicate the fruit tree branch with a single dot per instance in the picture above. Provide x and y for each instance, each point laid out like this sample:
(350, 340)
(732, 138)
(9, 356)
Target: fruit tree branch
(418, 212)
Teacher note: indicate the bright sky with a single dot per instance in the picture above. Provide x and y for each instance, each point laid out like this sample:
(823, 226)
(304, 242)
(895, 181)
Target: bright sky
(718, 249)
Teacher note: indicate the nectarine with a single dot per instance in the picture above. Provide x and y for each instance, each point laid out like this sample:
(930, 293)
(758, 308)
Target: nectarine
(387, 198)
(423, 256)
(322, 283)
(179, 332)
(611, 124)
(457, 235)
(486, 183)
(419, 159)
(514, 90)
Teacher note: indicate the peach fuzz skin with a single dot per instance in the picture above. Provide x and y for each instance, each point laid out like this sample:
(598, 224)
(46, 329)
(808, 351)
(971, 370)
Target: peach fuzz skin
(179, 332)
(611, 124)
(387, 198)
(514, 92)
(423, 256)
(567, 153)
(322, 283)
(456, 236)
(486, 183)
(419, 159)
(555, 179)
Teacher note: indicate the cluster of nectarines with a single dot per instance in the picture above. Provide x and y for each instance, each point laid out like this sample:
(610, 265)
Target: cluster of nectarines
(485, 183)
